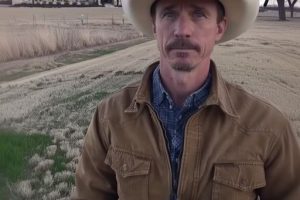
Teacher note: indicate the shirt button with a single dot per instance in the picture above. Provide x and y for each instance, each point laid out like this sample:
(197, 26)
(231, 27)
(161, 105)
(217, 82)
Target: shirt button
(124, 167)
(170, 106)
(243, 182)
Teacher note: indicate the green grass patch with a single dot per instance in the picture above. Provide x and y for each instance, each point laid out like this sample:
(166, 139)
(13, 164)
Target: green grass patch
(79, 100)
(89, 98)
(75, 97)
(60, 161)
(9, 77)
(71, 180)
(72, 58)
(15, 150)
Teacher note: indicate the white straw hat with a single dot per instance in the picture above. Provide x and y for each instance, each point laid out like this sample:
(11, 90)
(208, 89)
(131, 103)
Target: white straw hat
(240, 15)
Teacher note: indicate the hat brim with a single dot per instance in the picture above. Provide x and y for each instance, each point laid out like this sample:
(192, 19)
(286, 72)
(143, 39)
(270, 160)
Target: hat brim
(240, 16)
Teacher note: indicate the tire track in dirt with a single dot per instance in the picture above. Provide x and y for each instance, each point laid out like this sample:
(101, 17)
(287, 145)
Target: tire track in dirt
(140, 55)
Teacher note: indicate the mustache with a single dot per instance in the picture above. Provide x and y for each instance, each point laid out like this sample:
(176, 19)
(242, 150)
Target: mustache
(182, 43)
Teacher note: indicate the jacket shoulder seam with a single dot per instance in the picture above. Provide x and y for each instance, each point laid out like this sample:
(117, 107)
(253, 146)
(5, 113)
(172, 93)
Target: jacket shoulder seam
(258, 99)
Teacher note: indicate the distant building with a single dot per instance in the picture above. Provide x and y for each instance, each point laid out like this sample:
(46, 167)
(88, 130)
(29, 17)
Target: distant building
(66, 2)
(5, 2)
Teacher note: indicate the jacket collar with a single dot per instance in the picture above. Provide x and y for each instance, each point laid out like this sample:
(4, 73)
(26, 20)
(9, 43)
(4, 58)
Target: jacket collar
(218, 96)
(143, 93)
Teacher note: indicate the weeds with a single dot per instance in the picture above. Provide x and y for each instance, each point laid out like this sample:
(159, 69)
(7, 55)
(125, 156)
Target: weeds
(60, 162)
(15, 150)
(78, 101)
(82, 57)
(42, 40)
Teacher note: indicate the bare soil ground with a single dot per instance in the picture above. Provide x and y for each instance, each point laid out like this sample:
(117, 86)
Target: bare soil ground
(60, 102)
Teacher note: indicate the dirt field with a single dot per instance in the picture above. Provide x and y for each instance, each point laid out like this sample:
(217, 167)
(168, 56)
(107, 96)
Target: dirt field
(60, 102)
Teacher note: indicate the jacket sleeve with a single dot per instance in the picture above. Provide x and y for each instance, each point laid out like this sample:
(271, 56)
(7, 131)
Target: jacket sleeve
(283, 167)
(94, 180)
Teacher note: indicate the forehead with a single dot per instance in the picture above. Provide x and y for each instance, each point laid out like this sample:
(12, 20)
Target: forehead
(185, 3)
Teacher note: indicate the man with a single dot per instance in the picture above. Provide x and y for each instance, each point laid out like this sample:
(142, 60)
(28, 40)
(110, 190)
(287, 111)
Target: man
(183, 132)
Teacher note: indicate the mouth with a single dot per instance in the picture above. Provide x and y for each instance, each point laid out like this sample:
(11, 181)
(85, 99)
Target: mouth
(182, 50)
(182, 54)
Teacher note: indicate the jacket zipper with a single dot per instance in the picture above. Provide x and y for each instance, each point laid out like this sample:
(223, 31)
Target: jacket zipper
(179, 174)
(167, 148)
(180, 163)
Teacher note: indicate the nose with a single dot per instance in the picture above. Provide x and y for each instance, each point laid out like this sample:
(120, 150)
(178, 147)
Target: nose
(183, 26)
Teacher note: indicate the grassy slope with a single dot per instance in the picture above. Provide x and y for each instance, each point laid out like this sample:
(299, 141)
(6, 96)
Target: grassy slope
(30, 66)
(15, 150)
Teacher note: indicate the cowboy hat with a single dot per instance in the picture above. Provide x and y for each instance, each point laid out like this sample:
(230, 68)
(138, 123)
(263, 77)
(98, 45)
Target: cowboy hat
(240, 15)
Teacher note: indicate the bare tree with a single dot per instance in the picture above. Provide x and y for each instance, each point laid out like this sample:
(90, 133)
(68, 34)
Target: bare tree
(266, 3)
(281, 9)
(292, 4)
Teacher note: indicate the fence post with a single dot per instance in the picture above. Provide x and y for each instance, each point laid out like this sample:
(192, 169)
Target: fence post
(33, 20)
(81, 19)
(112, 20)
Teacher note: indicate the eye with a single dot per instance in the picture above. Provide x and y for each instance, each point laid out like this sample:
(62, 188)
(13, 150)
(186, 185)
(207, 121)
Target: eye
(199, 13)
(170, 14)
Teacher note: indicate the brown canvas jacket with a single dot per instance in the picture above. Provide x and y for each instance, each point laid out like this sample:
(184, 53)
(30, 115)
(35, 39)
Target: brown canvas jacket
(236, 147)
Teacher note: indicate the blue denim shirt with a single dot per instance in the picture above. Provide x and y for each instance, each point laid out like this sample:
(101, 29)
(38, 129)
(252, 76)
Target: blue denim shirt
(174, 118)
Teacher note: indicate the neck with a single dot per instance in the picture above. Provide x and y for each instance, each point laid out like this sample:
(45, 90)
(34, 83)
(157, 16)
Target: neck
(181, 84)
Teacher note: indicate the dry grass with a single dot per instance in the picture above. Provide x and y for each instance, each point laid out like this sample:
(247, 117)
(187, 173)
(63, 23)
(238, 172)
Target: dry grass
(24, 189)
(32, 32)
(41, 40)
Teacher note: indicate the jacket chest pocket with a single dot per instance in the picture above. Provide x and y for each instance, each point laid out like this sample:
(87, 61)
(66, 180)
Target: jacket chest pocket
(132, 174)
(237, 181)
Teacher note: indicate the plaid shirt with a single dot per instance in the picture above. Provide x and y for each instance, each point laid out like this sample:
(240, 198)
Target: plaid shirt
(174, 118)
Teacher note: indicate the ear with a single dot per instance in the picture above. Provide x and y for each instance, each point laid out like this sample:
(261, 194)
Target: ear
(221, 29)
(153, 25)
(154, 28)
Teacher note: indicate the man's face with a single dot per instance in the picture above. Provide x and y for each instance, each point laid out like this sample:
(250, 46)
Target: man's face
(186, 31)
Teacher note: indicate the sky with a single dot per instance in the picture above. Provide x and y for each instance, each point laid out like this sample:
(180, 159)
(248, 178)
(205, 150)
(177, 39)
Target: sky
(271, 2)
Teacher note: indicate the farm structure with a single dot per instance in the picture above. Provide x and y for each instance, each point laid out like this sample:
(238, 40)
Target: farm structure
(49, 3)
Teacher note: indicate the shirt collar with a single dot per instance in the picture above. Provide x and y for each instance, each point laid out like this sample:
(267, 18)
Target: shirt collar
(218, 95)
(159, 93)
